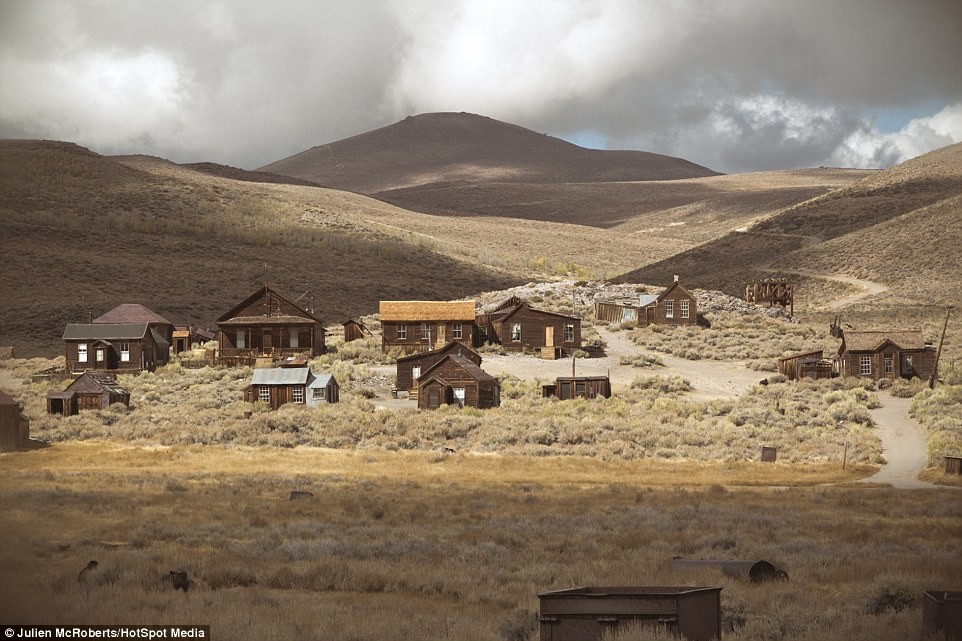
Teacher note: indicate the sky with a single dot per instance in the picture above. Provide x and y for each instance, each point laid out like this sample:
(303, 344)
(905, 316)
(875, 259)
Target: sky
(734, 85)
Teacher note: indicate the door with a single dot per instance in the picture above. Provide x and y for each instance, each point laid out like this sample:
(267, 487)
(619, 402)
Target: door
(442, 336)
(267, 342)
(549, 336)
(434, 398)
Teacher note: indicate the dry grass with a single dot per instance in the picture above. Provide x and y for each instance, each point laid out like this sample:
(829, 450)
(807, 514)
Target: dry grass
(413, 545)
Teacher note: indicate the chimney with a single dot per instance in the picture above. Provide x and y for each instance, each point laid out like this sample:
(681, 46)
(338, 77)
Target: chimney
(676, 278)
(90, 317)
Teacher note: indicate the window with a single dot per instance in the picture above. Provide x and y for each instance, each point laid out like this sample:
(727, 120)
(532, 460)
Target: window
(907, 365)
(101, 355)
(319, 394)
(516, 332)
(889, 364)
(416, 372)
(425, 332)
(579, 388)
(569, 332)
(483, 333)
(82, 353)
(241, 339)
(865, 365)
(297, 394)
(125, 352)
(459, 396)
(458, 332)
(669, 309)
(293, 333)
(264, 394)
(402, 332)
(685, 309)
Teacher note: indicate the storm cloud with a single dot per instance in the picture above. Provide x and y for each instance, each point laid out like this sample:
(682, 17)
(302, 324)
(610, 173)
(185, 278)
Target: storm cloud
(740, 85)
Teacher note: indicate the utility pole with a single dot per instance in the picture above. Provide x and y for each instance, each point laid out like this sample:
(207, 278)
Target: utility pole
(938, 354)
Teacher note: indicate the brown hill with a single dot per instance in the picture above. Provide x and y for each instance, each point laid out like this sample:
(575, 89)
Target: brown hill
(235, 173)
(899, 227)
(459, 147)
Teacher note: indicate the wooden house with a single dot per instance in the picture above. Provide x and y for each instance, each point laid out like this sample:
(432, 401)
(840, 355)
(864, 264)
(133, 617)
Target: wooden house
(114, 347)
(456, 380)
(187, 337)
(279, 385)
(268, 324)
(409, 367)
(90, 391)
(885, 354)
(14, 426)
(354, 330)
(809, 364)
(674, 306)
(518, 327)
(568, 387)
(420, 326)
(135, 313)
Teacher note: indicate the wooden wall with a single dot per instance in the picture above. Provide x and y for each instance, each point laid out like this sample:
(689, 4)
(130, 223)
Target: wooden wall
(534, 331)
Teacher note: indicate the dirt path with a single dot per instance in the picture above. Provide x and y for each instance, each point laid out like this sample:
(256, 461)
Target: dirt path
(903, 443)
(868, 287)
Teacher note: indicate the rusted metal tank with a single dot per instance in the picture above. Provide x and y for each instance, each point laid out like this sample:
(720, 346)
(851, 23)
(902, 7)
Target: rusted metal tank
(752, 571)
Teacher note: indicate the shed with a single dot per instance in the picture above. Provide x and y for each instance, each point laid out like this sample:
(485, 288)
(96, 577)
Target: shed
(810, 364)
(353, 330)
(588, 613)
(568, 387)
(456, 380)
(14, 426)
(89, 391)
(520, 327)
(323, 389)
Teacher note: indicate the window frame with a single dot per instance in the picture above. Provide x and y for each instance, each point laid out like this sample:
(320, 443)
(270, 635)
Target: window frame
(569, 332)
(402, 331)
(264, 393)
(426, 332)
(865, 365)
(81, 352)
(669, 309)
(515, 332)
(125, 352)
(684, 308)
(457, 331)
(297, 394)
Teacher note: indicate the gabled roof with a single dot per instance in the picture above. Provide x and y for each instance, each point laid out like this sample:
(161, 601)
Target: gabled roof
(322, 380)
(515, 309)
(105, 331)
(282, 376)
(814, 354)
(131, 313)
(474, 371)
(95, 382)
(675, 285)
(870, 341)
(426, 310)
(233, 316)
(451, 346)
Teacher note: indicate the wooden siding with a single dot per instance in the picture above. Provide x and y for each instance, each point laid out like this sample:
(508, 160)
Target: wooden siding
(144, 355)
(14, 427)
(805, 365)
(538, 329)
(266, 320)
(424, 360)
(912, 363)
(671, 300)
(279, 394)
(439, 333)
(568, 387)
(438, 385)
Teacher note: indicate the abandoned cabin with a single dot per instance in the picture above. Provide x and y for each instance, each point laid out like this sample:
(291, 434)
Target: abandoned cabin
(267, 323)
(885, 354)
(568, 387)
(457, 380)
(14, 426)
(90, 391)
(409, 367)
(114, 347)
(279, 385)
(186, 337)
(354, 330)
(519, 327)
(674, 306)
(136, 313)
(809, 364)
(420, 326)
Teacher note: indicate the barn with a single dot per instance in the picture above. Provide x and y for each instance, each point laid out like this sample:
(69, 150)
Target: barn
(354, 330)
(456, 380)
(14, 426)
(90, 391)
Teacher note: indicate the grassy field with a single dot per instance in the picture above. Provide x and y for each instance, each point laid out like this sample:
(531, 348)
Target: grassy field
(415, 545)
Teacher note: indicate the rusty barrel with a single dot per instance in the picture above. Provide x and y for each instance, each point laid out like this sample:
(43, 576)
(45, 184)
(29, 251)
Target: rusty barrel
(752, 571)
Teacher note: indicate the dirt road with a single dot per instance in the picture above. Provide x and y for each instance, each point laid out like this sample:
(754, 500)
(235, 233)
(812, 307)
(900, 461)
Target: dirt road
(903, 443)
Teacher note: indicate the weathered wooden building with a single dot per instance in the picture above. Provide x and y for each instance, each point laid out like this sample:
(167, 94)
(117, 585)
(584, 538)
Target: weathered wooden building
(810, 364)
(420, 326)
(518, 327)
(14, 426)
(90, 391)
(268, 324)
(773, 291)
(187, 337)
(456, 380)
(127, 313)
(885, 354)
(114, 347)
(568, 387)
(354, 330)
(674, 306)
(277, 386)
(409, 367)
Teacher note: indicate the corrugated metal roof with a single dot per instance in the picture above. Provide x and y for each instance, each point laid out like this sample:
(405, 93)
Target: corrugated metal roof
(426, 310)
(869, 341)
(131, 313)
(644, 300)
(281, 376)
(105, 331)
(321, 380)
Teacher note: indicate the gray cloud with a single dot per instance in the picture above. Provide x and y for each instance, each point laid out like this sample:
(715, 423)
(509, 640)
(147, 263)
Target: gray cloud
(738, 86)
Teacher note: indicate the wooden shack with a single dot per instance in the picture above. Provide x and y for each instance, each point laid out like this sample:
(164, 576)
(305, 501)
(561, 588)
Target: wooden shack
(409, 367)
(278, 386)
(354, 330)
(456, 380)
(14, 426)
(114, 347)
(90, 391)
(886, 354)
(810, 364)
(266, 323)
(593, 613)
(568, 387)
(674, 306)
(420, 326)
(519, 327)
